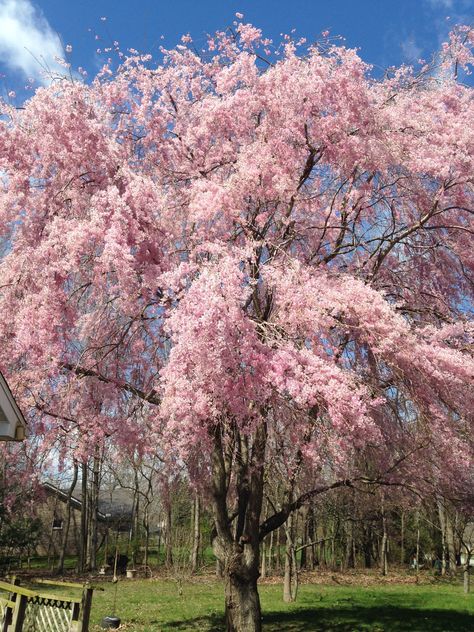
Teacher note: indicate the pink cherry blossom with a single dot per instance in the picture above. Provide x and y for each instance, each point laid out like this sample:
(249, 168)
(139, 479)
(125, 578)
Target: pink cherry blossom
(211, 252)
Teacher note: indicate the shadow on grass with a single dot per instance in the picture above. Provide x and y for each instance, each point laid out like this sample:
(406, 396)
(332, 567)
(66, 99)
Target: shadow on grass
(383, 619)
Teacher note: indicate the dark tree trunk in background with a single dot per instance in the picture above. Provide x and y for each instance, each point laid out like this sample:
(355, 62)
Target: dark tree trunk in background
(384, 544)
(146, 527)
(278, 551)
(417, 561)
(402, 538)
(196, 534)
(368, 547)
(311, 536)
(93, 511)
(84, 520)
(169, 536)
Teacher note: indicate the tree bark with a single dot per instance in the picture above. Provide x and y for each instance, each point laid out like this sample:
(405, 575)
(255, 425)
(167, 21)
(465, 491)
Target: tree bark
(243, 612)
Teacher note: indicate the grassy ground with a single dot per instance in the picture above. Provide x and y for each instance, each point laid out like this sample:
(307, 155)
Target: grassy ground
(166, 605)
(356, 603)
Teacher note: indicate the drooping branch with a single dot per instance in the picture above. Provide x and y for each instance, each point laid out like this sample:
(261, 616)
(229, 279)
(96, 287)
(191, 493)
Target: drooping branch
(150, 397)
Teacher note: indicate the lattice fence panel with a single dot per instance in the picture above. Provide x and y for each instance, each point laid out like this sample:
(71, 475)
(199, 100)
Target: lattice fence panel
(47, 615)
(3, 612)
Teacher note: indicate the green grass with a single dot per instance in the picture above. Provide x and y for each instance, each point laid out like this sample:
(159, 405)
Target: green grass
(169, 606)
(162, 606)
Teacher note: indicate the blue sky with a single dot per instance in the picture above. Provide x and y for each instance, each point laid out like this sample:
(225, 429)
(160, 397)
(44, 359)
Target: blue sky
(388, 32)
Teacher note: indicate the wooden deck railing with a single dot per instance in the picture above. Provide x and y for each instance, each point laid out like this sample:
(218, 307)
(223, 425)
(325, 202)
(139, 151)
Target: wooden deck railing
(24, 610)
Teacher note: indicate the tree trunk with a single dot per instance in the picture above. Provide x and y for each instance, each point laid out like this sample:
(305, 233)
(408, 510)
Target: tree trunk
(242, 605)
(402, 539)
(84, 520)
(290, 580)
(444, 547)
(333, 547)
(62, 553)
(417, 560)
(146, 527)
(450, 545)
(169, 537)
(467, 570)
(384, 545)
(287, 592)
(278, 551)
(467, 579)
(263, 568)
(263, 553)
(367, 546)
(238, 547)
(303, 563)
(311, 535)
(196, 534)
(270, 554)
(93, 514)
(349, 561)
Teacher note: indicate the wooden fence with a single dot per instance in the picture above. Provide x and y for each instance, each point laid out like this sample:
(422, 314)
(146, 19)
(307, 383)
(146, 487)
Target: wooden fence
(24, 610)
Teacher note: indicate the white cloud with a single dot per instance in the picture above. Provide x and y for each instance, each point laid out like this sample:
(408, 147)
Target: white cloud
(410, 50)
(27, 42)
(457, 9)
(440, 4)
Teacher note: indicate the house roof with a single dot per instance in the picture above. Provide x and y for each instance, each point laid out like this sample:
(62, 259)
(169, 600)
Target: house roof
(12, 422)
(115, 505)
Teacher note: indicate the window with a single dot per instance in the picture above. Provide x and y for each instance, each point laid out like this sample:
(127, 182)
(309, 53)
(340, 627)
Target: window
(57, 523)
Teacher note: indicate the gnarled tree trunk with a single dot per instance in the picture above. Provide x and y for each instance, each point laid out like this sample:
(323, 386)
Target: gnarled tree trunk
(242, 601)
(238, 546)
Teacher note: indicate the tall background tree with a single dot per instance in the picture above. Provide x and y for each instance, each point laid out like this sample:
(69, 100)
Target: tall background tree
(257, 256)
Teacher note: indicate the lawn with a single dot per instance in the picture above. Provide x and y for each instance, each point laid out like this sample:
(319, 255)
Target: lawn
(165, 605)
